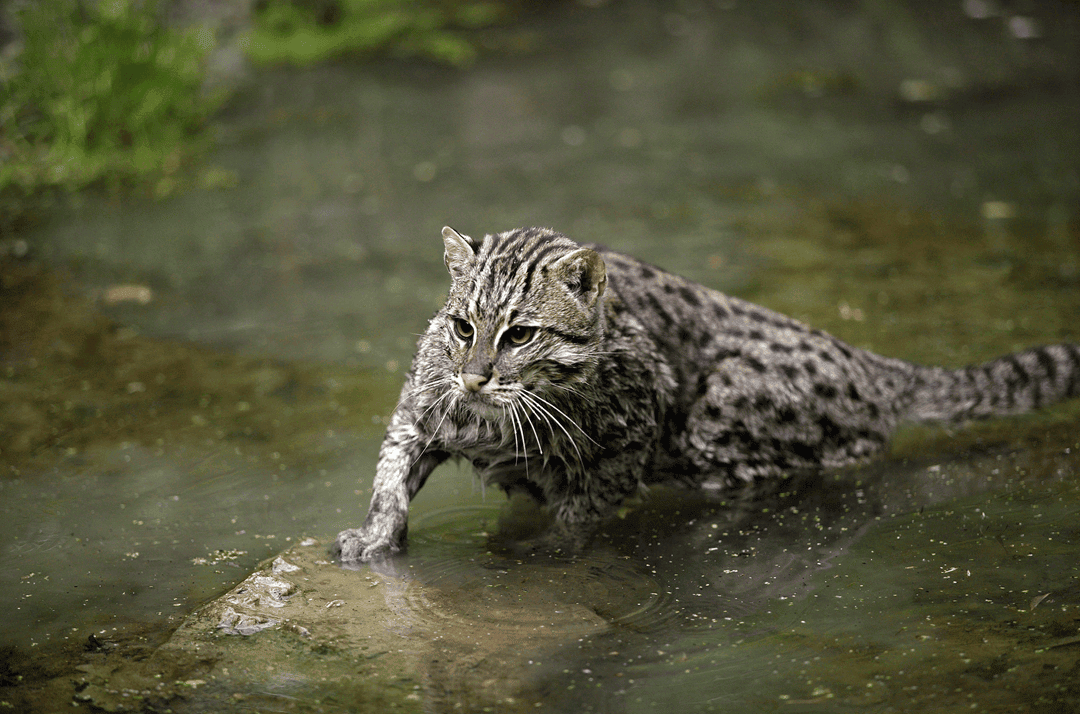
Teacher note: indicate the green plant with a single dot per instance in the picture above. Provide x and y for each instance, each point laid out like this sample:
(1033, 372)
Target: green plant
(102, 91)
(304, 32)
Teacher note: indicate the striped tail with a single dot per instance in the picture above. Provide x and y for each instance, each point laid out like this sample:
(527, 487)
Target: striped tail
(1011, 384)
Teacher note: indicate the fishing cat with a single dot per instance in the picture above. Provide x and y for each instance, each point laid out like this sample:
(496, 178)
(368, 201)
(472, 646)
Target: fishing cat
(578, 375)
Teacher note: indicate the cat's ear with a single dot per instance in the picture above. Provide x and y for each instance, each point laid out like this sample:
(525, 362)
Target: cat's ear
(460, 251)
(584, 274)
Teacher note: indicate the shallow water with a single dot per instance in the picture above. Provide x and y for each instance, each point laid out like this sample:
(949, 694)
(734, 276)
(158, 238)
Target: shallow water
(767, 153)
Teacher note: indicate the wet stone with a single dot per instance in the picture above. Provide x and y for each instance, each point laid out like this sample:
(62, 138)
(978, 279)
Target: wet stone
(262, 591)
(238, 623)
(376, 634)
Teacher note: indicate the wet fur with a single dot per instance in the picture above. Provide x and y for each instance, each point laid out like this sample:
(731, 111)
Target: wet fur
(633, 375)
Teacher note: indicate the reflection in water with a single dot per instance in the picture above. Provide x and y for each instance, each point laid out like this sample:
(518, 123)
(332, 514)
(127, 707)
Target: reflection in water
(864, 587)
(904, 584)
(833, 591)
(511, 593)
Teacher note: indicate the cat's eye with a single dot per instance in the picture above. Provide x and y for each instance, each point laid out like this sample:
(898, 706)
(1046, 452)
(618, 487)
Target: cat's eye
(520, 334)
(463, 329)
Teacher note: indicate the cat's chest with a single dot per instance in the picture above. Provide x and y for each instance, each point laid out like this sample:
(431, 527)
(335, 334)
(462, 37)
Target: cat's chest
(506, 466)
(509, 449)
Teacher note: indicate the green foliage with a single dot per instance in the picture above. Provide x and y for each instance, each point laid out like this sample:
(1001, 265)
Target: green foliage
(304, 32)
(101, 91)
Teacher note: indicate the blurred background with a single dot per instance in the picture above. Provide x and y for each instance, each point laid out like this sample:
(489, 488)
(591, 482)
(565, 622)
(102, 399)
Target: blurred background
(219, 238)
(264, 168)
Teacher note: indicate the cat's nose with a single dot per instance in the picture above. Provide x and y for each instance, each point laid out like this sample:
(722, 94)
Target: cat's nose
(474, 382)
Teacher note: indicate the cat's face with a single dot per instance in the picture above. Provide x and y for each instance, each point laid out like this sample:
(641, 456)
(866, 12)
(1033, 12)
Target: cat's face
(522, 321)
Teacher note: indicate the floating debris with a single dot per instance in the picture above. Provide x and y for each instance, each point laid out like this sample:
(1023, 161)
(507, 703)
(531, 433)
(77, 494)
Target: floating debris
(116, 294)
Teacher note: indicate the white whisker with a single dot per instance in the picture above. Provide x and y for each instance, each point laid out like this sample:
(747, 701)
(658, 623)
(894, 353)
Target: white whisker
(551, 420)
(422, 388)
(524, 446)
(432, 406)
(435, 431)
(564, 416)
(570, 390)
(536, 436)
(513, 428)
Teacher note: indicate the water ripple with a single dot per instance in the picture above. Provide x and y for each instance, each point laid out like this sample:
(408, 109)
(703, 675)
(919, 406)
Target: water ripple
(456, 579)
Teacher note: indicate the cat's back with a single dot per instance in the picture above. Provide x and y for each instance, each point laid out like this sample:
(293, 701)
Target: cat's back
(689, 318)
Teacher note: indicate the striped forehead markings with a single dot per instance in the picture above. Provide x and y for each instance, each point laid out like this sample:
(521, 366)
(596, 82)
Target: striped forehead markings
(505, 257)
(532, 265)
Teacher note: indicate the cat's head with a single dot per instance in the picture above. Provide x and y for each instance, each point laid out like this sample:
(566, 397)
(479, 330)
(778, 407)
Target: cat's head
(525, 311)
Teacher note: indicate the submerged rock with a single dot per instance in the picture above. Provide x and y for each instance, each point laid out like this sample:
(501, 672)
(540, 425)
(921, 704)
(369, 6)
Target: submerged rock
(305, 630)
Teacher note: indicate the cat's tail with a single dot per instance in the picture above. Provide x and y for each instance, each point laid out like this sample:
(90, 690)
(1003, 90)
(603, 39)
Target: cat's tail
(1011, 384)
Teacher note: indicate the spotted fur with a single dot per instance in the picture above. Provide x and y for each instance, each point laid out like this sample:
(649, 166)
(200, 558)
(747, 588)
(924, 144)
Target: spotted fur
(579, 375)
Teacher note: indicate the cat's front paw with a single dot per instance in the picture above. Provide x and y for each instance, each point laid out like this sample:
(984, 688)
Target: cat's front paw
(355, 545)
